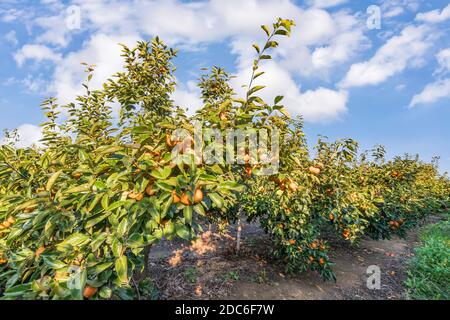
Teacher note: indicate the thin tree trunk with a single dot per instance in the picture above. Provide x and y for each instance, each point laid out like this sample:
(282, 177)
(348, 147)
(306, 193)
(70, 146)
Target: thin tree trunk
(239, 232)
(146, 258)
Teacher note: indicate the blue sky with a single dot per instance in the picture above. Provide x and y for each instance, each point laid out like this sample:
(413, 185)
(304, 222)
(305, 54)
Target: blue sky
(388, 86)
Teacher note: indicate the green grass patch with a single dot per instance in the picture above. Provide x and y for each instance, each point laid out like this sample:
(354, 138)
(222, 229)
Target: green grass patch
(429, 270)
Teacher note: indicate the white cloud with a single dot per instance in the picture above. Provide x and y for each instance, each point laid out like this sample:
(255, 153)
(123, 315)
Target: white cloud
(394, 8)
(316, 105)
(56, 31)
(348, 41)
(433, 92)
(443, 58)
(435, 16)
(394, 12)
(28, 135)
(324, 39)
(399, 52)
(326, 3)
(35, 84)
(35, 52)
(188, 97)
(102, 51)
(439, 89)
(11, 37)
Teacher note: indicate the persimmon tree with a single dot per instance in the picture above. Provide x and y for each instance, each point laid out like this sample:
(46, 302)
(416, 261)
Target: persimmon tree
(80, 214)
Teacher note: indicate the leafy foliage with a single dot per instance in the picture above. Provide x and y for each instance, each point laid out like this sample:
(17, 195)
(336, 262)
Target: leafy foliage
(429, 270)
(80, 214)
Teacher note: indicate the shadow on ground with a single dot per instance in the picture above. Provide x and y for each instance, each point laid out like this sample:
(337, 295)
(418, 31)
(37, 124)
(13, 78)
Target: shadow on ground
(210, 269)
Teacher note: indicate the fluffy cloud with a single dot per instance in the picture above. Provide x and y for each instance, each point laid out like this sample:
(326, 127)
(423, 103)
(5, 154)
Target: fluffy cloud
(318, 105)
(326, 3)
(443, 58)
(35, 52)
(435, 16)
(439, 89)
(432, 92)
(187, 96)
(28, 135)
(321, 41)
(394, 8)
(11, 37)
(398, 53)
(102, 51)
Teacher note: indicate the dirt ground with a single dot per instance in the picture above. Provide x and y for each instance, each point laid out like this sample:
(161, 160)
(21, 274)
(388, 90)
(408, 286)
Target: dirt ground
(210, 269)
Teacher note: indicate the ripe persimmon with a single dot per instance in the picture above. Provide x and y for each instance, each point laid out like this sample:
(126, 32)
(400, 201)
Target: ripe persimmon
(293, 186)
(28, 210)
(314, 170)
(198, 195)
(346, 233)
(248, 171)
(185, 199)
(321, 261)
(77, 175)
(320, 165)
(39, 251)
(132, 195)
(150, 191)
(331, 217)
(175, 197)
(223, 116)
(89, 292)
(292, 241)
(139, 196)
(6, 224)
(169, 141)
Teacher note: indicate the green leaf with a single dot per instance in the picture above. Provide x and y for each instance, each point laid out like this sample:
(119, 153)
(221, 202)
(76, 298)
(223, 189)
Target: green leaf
(98, 241)
(284, 112)
(183, 232)
(92, 222)
(18, 290)
(216, 199)
(82, 188)
(231, 186)
(116, 205)
(266, 30)
(282, 32)
(123, 227)
(121, 267)
(117, 247)
(105, 292)
(255, 88)
(271, 44)
(277, 100)
(187, 213)
(108, 149)
(52, 180)
(105, 201)
(256, 48)
(53, 263)
(74, 240)
(161, 173)
(258, 74)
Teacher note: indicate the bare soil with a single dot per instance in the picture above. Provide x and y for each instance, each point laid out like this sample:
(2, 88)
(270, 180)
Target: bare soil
(209, 268)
